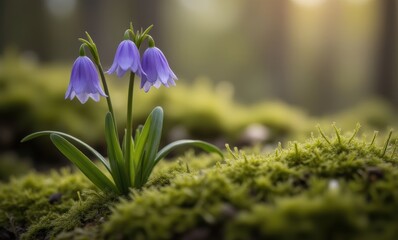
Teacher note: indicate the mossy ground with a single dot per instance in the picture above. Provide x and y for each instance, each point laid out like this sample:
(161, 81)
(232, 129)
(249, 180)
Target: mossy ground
(341, 187)
(34, 202)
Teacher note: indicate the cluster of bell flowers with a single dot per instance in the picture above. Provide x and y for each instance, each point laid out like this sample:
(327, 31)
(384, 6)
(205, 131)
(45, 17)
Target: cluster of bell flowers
(130, 161)
(153, 69)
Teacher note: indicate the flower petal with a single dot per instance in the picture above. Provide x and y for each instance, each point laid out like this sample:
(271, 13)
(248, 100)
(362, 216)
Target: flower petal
(68, 91)
(127, 57)
(157, 69)
(171, 82)
(126, 54)
(162, 66)
(149, 65)
(112, 69)
(120, 72)
(147, 86)
(95, 96)
(157, 84)
(83, 97)
(84, 81)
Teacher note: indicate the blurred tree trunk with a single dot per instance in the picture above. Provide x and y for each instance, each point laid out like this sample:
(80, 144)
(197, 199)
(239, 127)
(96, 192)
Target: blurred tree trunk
(24, 26)
(325, 68)
(277, 48)
(267, 23)
(387, 50)
(148, 13)
(2, 25)
(90, 15)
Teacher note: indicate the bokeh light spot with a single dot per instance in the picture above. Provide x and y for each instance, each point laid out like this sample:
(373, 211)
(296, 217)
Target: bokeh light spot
(60, 8)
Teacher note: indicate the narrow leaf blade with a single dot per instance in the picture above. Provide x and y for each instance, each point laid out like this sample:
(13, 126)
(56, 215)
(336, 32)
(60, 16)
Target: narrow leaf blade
(116, 159)
(147, 146)
(210, 148)
(129, 161)
(70, 137)
(83, 163)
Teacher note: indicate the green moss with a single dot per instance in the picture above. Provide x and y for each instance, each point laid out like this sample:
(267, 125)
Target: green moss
(341, 187)
(166, 171)
(39, 206)
(86, 215)
(302, 217)
(26, 201)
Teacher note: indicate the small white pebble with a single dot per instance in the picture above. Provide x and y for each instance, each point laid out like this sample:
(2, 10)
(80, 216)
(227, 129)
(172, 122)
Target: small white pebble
(255, 133)
(333, 185)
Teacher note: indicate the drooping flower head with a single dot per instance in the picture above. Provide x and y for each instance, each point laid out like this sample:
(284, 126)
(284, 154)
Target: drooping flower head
(84, 82)
(127, 58)
(157, 69)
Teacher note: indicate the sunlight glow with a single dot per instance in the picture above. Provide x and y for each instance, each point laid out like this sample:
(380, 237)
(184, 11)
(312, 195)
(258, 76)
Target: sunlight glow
(309, 3)
(358, 1)
(213, 14)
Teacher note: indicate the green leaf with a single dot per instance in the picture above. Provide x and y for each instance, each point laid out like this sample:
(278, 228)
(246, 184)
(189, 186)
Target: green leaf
(147, 30)
(181, 143)
(147, 145)
(124, 142)
(116, 159)
(144, 34)
(138, 131)
(128, 165)
(92, 150)
(83, 163)
(85, 41)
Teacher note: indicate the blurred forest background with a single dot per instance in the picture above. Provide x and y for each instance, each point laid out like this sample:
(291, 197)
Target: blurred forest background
(323, 57)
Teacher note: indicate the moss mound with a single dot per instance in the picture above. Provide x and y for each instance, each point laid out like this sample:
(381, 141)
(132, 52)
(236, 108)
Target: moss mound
(337, 188)
(37, 205)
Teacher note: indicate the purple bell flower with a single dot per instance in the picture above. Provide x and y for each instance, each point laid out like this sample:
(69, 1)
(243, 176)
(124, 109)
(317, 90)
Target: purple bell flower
(127, 58)
(157, 70)
(84, 81)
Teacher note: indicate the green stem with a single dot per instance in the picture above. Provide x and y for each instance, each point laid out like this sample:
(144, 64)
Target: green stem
(129, 120)
(108, 99)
